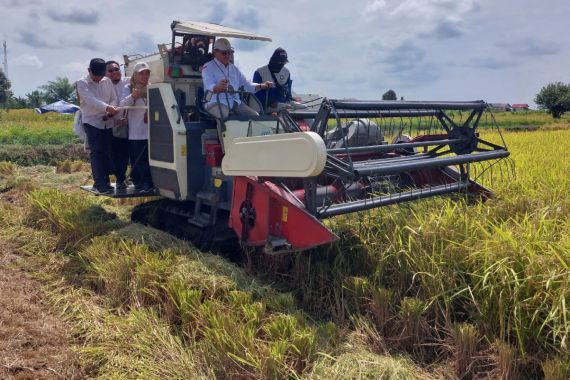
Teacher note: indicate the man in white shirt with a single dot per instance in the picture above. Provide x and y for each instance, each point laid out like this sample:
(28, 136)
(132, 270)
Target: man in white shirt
(220, 75)
(120, 145)
(98, 101)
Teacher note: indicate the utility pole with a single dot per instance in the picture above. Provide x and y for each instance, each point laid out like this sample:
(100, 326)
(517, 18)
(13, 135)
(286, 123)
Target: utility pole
(5, 59)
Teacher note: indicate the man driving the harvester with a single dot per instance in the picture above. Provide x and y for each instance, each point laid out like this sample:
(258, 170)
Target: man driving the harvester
(222, 79)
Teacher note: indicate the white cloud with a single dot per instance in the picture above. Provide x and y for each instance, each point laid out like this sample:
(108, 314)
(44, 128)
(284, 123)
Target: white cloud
(19, 3)
(529, 47)
(73, 70)
(28, 60)
(76, 16)
(374, 6)
(422, 49)
(235, 14)
(409, 19)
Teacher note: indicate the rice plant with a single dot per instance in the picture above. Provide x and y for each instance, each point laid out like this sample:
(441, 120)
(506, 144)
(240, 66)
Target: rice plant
(496, 275)
(465, 346)
(71, 166)
(382, 307)
(505, 361)
(412, 324)
(73, 217)
(556, 368)
(27, 127)
(7, 169)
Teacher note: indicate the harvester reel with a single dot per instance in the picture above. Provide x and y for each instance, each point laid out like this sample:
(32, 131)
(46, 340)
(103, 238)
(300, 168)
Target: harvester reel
(468, 137)
(432, 151)
(401, 139)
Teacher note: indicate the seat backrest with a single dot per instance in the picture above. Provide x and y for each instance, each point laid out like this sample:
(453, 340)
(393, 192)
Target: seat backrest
(200, 103)
(180, 97)
(195, 51)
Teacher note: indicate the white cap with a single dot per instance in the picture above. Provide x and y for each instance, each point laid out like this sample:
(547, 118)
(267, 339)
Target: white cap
(222, 44)
(141, 66)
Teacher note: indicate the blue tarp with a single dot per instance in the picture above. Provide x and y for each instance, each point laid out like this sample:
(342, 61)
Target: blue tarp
(60, 106)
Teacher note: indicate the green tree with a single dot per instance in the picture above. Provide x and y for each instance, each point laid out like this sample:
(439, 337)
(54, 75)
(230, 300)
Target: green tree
(554, 97)
(17, 102)
(58, 89)
(35, 99)
(389, 95)
(5, 92)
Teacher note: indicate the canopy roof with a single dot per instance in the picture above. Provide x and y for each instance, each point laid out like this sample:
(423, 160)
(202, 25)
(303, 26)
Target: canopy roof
(61, 106)
(208, 29)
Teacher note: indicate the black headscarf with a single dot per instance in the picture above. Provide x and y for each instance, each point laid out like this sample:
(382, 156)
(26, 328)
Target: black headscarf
(277, 60)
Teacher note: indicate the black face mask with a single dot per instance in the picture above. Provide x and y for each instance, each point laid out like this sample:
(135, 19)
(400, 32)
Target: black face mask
(275, 67)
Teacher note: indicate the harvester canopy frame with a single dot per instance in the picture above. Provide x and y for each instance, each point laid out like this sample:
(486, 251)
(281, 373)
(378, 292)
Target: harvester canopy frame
(213, 30)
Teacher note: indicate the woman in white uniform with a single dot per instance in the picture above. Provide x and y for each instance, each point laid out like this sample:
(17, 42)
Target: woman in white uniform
(138, 127)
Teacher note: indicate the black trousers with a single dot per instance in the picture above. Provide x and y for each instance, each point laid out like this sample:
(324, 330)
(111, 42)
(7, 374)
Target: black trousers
(120, 157)
(100, 141)
(140, 174)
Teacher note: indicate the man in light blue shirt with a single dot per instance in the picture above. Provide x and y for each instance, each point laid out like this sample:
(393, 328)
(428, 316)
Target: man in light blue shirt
(220, 75)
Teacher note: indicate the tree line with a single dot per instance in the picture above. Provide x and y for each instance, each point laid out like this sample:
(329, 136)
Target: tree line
(554, 97)
(52, 91)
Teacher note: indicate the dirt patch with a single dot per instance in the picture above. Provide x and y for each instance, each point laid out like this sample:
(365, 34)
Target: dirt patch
(34, 343)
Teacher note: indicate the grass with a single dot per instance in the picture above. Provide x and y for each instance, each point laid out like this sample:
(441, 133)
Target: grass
(465, 290)
(26, 127)
(501, 266)
(165, 309)
(29, 155)
(74, 218)
(530, 118)
(27, 138)
(40, 134)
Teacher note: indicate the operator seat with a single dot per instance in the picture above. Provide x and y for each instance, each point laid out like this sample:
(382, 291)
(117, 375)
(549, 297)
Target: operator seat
(201, 103)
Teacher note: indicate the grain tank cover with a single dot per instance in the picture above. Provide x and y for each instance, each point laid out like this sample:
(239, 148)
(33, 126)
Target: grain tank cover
(215, 30)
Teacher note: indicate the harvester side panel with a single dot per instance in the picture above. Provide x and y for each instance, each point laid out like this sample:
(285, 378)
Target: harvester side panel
(300, 154)
(160, 130)
(167, 142)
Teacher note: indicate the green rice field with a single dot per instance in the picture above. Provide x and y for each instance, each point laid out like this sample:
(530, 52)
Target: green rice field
(443, 288)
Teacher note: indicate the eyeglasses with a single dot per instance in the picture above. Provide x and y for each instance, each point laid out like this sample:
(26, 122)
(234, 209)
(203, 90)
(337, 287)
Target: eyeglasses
(225, 52)
(113, 70)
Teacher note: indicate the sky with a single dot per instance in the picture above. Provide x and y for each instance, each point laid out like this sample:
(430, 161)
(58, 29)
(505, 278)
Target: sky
(497, 51)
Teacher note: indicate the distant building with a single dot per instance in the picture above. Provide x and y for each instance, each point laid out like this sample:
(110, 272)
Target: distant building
(500, 106)
(520, 107)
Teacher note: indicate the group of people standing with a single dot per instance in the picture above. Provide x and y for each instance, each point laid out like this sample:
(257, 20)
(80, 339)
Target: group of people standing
(115, 123)
(114, 113)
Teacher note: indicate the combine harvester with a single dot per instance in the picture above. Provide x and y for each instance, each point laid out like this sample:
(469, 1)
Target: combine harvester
(270, 181)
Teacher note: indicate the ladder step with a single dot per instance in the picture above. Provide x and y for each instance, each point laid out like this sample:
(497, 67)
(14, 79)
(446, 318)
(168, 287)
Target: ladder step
(207, 198)
(202, 220)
